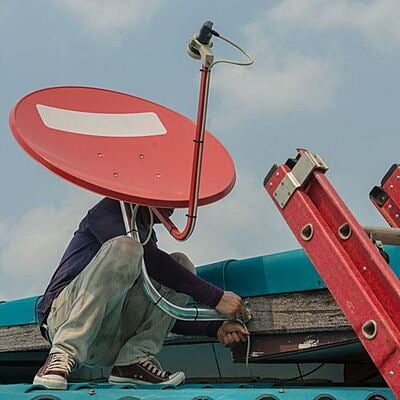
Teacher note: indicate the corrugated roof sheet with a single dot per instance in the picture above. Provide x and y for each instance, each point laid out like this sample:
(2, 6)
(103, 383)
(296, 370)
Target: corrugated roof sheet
(190, 392)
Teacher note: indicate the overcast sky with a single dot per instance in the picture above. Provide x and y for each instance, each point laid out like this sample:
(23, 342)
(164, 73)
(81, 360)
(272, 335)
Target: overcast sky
(326, 78)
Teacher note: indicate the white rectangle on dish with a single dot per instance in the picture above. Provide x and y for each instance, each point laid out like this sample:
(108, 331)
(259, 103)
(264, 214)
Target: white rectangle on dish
(101, 124)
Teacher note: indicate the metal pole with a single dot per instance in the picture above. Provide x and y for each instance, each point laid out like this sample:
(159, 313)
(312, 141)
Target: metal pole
(196, 165)
(389, 236)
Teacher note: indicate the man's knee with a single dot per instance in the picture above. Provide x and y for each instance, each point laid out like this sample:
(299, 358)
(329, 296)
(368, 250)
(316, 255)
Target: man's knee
(126, 254)
(184, 260)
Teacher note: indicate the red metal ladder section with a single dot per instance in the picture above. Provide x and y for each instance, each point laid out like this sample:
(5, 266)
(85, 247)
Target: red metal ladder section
(358, 277)
(386, 198)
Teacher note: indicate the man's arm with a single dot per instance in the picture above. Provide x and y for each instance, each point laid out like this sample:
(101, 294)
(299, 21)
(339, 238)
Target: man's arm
(105, 222)
(228, 333)
(167, 271)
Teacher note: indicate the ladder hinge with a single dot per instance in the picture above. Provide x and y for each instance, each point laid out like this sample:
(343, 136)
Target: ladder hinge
(298, 176)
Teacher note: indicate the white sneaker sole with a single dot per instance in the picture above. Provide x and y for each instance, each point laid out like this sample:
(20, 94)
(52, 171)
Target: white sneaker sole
(176, 379)
(51, 382)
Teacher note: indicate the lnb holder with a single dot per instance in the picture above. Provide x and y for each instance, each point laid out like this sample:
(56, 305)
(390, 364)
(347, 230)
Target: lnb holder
(200, 45)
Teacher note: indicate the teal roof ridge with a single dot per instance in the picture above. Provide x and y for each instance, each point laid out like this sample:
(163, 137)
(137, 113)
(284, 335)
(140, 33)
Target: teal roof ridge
(211, 391)
(284, 272)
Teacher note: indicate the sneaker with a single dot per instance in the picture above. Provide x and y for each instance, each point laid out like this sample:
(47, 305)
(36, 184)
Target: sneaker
(145, 372)
(54, 372)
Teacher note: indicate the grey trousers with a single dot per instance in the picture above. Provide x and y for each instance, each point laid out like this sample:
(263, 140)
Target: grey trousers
(103, 318)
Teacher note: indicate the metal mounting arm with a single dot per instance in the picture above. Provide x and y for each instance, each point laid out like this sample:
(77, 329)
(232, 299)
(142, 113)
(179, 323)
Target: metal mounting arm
(199, 48)
(196, 165)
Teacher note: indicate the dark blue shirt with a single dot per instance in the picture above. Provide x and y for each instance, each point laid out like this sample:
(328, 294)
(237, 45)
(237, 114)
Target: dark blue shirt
(104, 222)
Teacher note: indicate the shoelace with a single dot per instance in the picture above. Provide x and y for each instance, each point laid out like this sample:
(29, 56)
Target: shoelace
(60, 362)
(154, 369)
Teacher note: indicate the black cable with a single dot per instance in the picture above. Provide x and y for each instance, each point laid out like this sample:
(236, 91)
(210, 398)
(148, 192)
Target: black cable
(216, 360)
(366, 378)
(297, 377)
(300, 373)
(159, 299)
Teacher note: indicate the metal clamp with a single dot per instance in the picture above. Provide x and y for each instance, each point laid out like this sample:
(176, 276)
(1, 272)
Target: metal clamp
(298, 176)
(203, 51)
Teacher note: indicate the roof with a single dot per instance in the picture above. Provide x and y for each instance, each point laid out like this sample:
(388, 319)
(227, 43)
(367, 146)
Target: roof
(257, 276)
(249, 277)
(190, 392)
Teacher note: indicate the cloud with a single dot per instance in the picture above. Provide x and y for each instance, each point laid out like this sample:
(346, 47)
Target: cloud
(279, 83)
(301, 55)
(286, 76)
(376, 20)
(114, 17)
(33, 244)
(244, 224)
(235, 227)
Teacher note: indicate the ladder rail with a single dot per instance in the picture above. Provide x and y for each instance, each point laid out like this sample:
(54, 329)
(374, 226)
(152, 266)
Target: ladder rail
(360, 280)
(386, 198)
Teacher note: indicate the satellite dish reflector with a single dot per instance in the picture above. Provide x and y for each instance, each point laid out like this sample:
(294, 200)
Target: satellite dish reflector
(119, 146)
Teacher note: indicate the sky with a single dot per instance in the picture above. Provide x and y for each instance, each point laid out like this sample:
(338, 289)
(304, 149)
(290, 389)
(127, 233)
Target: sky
(325, 78)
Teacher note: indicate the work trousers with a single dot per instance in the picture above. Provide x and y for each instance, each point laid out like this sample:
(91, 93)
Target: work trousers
(103, 318)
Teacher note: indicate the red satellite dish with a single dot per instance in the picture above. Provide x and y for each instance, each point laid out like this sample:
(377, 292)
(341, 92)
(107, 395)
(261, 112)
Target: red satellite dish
(119, 146)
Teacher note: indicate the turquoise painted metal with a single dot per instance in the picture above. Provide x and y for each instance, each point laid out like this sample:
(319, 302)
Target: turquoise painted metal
(18, 312)
(191, 392)
(289, 271)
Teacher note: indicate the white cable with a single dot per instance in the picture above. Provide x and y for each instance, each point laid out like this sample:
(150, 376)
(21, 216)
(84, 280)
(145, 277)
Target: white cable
(134, 212)
(247, 55)
(249, 371)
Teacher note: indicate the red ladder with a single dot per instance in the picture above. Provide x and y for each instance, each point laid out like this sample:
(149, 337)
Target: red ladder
(386, 198)
(358, 277)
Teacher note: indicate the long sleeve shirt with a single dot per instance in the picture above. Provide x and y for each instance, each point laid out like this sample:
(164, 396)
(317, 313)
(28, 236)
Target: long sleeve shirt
(104, 222)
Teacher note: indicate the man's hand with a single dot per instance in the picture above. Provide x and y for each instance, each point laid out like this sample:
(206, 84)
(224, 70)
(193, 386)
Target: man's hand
(231, 305)
(231, 333)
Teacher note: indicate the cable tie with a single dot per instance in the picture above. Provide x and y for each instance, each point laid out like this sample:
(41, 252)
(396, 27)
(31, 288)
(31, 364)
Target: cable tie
(160, 298)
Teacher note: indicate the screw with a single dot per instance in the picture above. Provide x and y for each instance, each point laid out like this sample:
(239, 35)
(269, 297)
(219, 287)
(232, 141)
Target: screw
(396, 216)
(391, 186)
(91, 392)
(141, 156)
(398, 177)
(270, 184)
(281, 390)
(277, 174)
(115, 174)
(391, 373)
(100, 154)
(158, 175)
(364, 268)
(389, 206)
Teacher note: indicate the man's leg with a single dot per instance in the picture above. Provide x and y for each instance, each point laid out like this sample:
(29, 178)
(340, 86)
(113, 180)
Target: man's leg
(89, 308)
(144, 326)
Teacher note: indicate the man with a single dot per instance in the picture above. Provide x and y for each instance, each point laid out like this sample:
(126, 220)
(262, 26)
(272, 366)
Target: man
(94, 313)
